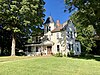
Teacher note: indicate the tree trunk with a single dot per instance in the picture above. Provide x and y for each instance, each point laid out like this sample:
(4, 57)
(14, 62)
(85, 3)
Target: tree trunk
(13, 45)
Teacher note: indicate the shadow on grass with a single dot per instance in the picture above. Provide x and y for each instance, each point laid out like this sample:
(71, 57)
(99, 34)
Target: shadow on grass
(94, 57)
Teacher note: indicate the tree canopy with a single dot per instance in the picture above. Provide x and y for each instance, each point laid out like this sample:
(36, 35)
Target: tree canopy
(84, 34)
(88, 12)
(21, 17)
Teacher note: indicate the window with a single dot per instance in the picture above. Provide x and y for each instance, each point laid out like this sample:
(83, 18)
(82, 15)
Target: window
(70, 46)
(49, 28)
(77, 47)
(68, 34)
(36, 39)
(74, 34)
(36, 49)
(57, 35)
(71, 34)
(39, 39)
(29, 49)
(58, 48)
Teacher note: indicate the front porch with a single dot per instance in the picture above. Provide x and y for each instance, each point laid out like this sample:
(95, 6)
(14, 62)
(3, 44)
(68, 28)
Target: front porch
(44, 48)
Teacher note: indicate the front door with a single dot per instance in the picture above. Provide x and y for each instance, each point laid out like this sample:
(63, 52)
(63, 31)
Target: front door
(49, 49)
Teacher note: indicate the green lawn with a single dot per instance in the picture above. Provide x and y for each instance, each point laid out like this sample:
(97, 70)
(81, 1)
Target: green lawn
(48, 66)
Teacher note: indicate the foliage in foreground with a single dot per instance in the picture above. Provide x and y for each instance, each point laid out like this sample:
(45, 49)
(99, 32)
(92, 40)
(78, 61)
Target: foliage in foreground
(21, 17)
(88, 12)
(84, 34)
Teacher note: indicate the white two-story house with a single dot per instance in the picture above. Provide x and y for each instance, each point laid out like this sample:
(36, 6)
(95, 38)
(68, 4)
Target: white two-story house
(56, 38)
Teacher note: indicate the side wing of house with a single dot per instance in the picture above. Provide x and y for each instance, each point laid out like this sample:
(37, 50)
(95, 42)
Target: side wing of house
(34, 47)
(71, 42)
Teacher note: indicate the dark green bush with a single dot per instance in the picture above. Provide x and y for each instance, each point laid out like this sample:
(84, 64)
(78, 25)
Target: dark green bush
(82, 54)
(70, 53)
(89, 55)
(64, 55)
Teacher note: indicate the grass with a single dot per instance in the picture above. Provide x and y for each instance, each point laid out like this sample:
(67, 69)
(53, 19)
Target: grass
(48, 66)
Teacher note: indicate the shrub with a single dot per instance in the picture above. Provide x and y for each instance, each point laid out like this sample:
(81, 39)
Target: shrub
(82, 54)
(20, 53)
(89, 55)
(59, 55)
(70, 53)
(64, 55)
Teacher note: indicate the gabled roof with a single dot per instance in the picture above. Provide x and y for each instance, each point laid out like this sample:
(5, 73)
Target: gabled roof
(68, 23)
(63, 26)
(49, 20)
(57, 29)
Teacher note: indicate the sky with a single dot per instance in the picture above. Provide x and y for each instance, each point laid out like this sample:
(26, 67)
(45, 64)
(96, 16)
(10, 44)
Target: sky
(55, 8)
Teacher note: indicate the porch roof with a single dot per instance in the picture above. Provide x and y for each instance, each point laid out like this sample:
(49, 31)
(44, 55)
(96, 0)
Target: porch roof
(48, 43)
(45, 43)
(33, 45)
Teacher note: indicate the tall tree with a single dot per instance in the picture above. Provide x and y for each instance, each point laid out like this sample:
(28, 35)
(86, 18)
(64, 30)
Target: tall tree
(84, 34)
(88, 12)
(21, 16)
